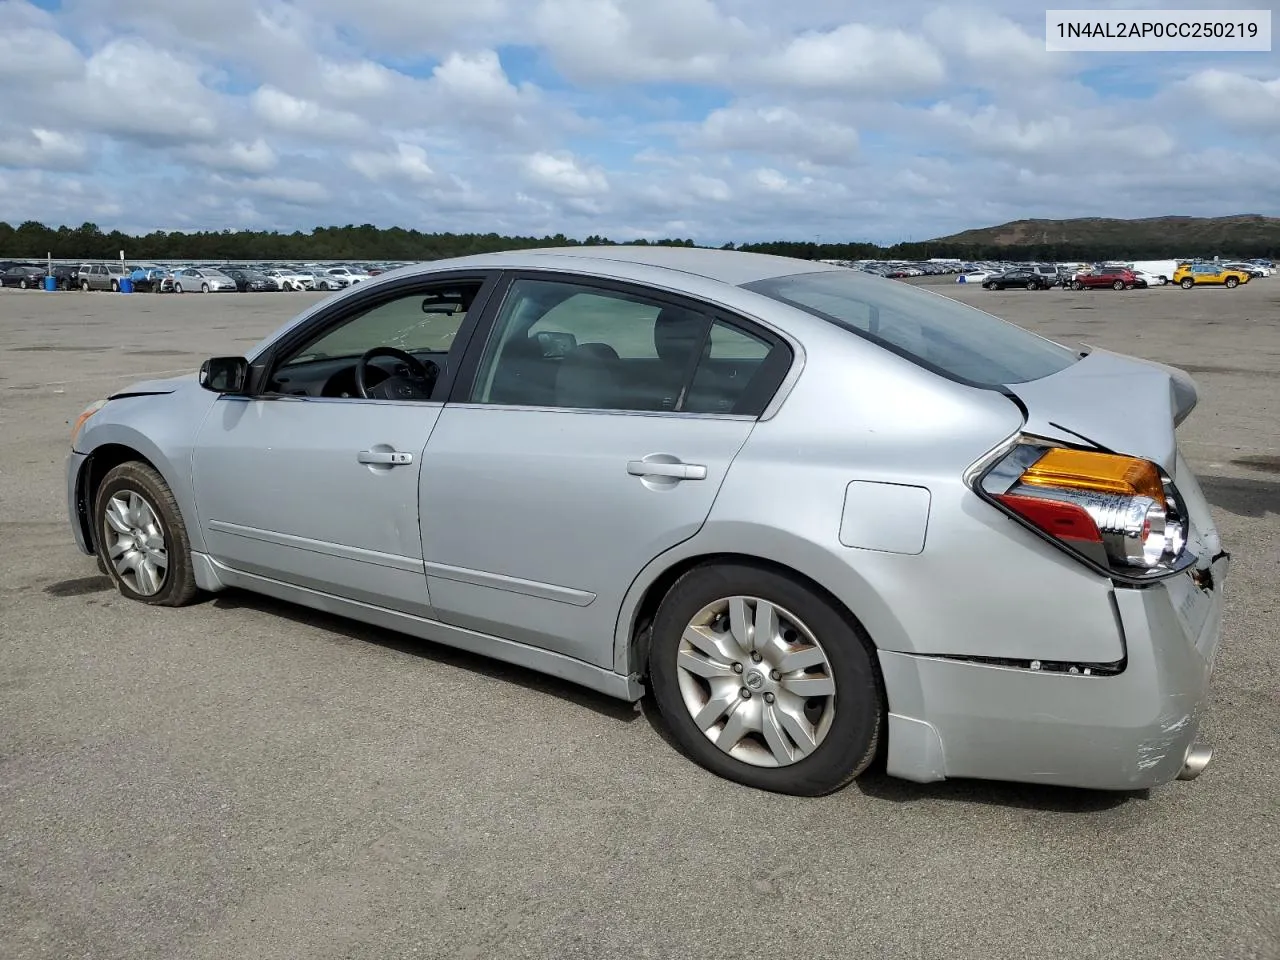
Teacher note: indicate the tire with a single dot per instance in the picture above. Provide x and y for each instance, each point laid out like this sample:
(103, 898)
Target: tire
(128, 484)
(115, 286)
(988, 286)
(177, 288)
(1186, 283)
(1033, 285)
(1118, 285)
(84, 285)
(1232, 282)
(204, 288)
(22, 284)
(1077, 285)
(847, 730)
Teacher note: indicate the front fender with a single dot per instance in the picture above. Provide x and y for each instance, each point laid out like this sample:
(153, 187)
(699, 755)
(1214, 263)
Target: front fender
(162, 429)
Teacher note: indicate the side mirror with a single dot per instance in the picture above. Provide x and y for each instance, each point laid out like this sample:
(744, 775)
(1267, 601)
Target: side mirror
(225, 374)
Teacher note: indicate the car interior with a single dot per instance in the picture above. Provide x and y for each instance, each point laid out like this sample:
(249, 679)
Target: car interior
(395, 350)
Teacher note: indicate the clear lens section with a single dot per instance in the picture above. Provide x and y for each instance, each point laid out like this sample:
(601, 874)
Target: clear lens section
(1138, 532)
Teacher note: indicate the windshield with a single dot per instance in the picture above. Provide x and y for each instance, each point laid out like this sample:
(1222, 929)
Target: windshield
(943, 335)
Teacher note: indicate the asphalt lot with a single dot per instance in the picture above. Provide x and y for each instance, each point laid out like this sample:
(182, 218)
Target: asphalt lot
(243, 778)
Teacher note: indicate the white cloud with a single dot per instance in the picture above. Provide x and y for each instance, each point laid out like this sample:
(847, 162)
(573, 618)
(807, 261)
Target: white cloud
(43, 149)
(563, 174)
(624, 40)
(855, 58)
(237, 157)
(779, 130)
(408, 163)
(307, 118)
(1237, 99)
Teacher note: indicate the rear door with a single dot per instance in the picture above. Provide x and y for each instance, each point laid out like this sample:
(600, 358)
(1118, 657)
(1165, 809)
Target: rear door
(592, 430)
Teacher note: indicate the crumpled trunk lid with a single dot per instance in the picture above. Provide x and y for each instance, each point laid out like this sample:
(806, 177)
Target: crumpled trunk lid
(1124, 404)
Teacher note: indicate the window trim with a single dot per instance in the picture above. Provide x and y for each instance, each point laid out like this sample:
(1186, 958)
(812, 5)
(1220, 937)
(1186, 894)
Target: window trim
(463, 384)
(362, 298)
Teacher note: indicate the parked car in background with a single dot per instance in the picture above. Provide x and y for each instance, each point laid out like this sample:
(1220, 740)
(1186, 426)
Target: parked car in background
(1252, 269)
(251, 281)
(331, 280)
(66, 276)
(572, 462)
(25, 276)
(1207, 275)
(1118, 278)
(101, 276)
(1163, 270)
(1021, 277)
(202, 280)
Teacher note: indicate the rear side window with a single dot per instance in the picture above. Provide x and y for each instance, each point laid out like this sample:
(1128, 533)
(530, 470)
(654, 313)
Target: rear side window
(943, 335)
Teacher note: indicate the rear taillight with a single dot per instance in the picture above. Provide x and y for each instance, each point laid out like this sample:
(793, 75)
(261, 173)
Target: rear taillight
(1119, 514)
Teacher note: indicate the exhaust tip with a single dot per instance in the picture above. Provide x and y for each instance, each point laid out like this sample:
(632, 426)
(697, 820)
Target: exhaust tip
(1198, 757)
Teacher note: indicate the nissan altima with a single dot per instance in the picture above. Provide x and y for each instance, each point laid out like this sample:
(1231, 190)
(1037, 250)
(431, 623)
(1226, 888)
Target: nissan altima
(827, 519)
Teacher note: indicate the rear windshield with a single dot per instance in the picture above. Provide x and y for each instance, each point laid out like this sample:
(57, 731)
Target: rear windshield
(943, 335)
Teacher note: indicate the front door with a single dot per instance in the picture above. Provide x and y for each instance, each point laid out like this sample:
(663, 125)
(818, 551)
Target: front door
(314, 482)
(594, 435)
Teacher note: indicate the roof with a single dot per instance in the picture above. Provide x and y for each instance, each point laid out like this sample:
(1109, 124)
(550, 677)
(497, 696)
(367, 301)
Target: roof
(725, 266)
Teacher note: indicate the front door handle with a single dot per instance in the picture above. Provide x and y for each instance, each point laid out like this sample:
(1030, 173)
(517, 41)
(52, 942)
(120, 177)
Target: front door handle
(392, 458)
(677, 471)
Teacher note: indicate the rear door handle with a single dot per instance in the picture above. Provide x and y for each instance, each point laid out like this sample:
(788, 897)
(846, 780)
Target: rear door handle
(677, 471)
(391, 457)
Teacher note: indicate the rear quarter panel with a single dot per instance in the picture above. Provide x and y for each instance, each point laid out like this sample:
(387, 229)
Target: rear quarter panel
(981, 586)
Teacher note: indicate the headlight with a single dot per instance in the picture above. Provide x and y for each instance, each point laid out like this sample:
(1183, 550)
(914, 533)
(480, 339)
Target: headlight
(81, 420)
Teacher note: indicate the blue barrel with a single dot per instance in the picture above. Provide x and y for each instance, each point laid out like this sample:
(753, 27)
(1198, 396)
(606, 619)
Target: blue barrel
(126, 284)
(51, 283)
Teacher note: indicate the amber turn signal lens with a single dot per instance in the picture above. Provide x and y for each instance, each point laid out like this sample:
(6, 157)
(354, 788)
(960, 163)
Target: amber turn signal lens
(1101, 472)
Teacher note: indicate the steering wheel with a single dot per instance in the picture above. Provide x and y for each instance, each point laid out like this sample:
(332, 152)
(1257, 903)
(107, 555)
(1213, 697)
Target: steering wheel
(414, 384)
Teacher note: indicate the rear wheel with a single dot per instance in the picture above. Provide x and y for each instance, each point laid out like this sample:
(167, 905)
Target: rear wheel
(764, 682)
(1186, 283)
(1232, 282)
(177, 288)
(141, 539)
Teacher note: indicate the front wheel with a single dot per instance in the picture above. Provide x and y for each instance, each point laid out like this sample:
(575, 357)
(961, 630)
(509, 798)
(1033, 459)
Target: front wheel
(1118, 285)
(1186, 283)
(1077, 285)
(764, 681)
(204, 288)
(1032, 285)
(141, 539)
(84, 285)
(1232, 282)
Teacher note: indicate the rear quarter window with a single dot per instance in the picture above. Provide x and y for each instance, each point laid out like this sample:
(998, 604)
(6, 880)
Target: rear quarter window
(943, 335)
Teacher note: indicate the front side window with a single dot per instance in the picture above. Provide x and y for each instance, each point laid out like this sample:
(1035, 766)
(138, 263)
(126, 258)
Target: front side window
(413, 333)
(948, 337)
(561, 344)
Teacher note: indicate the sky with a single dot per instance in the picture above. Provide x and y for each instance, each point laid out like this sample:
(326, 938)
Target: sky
(715, 120)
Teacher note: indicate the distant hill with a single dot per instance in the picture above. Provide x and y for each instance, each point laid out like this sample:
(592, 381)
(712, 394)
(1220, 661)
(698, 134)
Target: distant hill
(1175, 236)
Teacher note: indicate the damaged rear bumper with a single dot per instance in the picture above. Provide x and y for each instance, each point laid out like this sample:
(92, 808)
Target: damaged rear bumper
(1133, 730)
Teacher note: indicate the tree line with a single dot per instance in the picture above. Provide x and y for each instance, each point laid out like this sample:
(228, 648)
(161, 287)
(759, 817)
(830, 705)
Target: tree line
(33, 240)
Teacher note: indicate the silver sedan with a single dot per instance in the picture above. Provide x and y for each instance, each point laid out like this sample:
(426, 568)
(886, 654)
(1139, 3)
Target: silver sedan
(824, 517)
(202, 280)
